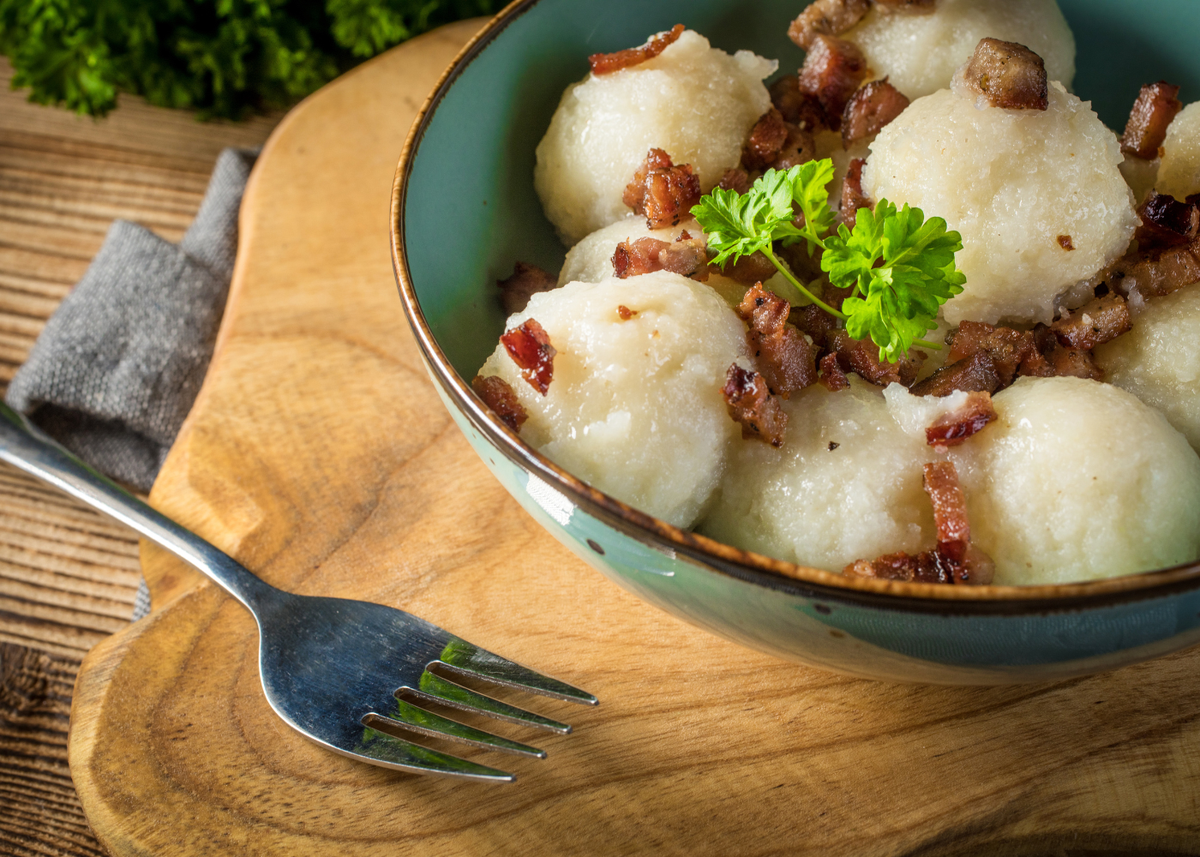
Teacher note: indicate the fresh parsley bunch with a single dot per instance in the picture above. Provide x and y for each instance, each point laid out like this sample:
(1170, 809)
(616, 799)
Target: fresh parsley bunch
(900, 266)
(224, 58)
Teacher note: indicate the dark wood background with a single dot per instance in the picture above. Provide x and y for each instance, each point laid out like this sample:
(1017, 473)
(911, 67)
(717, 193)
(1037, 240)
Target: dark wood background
(67, 575)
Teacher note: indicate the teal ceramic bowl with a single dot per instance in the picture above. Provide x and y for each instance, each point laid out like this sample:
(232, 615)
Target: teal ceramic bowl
(464, 210)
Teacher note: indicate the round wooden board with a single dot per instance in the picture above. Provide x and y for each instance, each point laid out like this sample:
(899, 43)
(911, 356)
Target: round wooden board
(319, 455)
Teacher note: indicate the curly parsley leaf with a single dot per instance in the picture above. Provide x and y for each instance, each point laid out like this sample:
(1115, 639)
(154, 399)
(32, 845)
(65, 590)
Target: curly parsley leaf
(902, 269)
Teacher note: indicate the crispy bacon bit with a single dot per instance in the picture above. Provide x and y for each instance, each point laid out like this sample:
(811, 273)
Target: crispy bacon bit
(832, 71)
(796, 107)
(1157, 271)
(766, 141)
(625, 313)
(814, 322)
(974, 373)
(853, 197)
(826, 17)
(686, 257)
(954, 427)
(785, 358)
(751, 404)
(872, 106)
(907, 7)
(1009, 349)
(955, 560)
(661, 191)
(748, 270)
(1099, 321)
(608, 63)
(799, 147)
(1073, 362)
(1152, 112)
(1166, 221)
(1008, 75)
(861, 356)
(832, 375)
(735, 179)
(1065, 242)
(525, 282)
(949, 509)
(501, 398)
(529, 347)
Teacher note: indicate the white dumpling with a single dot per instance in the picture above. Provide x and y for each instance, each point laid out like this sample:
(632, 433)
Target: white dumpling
(635, 405)
(920, 53)
(693, 101)
(1078, 480)
(845, 485)
(1158, 360)
(1021, 186)
(1179, 171)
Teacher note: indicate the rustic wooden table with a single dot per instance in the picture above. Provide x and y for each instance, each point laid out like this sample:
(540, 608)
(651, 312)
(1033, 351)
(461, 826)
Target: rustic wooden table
(67, 575)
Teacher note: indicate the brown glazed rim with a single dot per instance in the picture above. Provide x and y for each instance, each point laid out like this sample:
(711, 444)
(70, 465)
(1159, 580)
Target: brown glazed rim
(712, 555)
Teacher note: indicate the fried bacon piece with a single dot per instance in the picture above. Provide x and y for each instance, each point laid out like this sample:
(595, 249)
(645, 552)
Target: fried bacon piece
(1166, 221)
(785, 358)
(832, 71)
(1097, 322)
(525, 282)
(861, 356)
(688, 256)
(751, 405)
(529, 346)
(1008, 75)
(735, 179)
(1072, 362)
(799, 147)
(813, 321)
(501, 398)
(828, 18)
(954, 427)
(1008, 348)
(748, 270)
(766, 141)
(797, 107)
(853, 197)
(907, 7)
(976, 373)
(608, 63)
(955, 560)
(1152, 112)
(872, 106)
(662, 192)
(1156, 272)
(832, 375)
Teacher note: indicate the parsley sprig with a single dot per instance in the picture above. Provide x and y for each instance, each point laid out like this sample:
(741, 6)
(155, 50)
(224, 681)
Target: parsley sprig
(899, 265)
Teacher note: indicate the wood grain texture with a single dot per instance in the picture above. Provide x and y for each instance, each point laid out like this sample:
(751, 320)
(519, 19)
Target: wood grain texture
(319, 455)
(68, 574)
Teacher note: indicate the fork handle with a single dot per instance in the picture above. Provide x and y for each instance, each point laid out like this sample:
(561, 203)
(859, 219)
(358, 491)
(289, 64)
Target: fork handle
(26, 447)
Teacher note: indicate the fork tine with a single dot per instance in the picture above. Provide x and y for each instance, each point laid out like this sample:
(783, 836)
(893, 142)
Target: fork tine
(437, 689)
(391, 752)
(425, 722)
(460, 656)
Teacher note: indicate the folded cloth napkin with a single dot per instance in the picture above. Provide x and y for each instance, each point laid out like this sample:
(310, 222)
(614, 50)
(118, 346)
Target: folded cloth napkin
(118, 365)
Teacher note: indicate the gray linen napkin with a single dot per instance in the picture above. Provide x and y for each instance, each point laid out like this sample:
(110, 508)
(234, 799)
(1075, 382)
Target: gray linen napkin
(120, 362)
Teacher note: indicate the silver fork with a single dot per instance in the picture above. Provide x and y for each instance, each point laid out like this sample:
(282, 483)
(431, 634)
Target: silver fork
(346, 674)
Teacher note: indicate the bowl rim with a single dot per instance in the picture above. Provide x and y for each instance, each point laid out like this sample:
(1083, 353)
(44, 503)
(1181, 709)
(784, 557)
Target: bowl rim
(700, 550)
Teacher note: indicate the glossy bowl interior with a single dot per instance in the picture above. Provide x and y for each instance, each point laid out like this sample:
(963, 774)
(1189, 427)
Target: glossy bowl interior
(464, 210)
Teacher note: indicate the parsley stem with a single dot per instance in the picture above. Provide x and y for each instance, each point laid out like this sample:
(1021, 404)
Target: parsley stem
(769, 253)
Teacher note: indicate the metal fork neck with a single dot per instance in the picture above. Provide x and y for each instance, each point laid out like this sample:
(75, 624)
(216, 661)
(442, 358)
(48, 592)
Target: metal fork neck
(28, 448)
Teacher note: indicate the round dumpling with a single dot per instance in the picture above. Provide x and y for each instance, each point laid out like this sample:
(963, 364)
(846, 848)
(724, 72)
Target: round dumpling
(920, 53)
(635, 405)
(1179, 172)
(845, 485)
(1158, 360)
(1078, 480)
(693, 101)
(1036, 194)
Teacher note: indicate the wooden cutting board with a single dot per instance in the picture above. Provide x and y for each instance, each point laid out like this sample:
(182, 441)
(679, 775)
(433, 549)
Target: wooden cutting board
(319, 455)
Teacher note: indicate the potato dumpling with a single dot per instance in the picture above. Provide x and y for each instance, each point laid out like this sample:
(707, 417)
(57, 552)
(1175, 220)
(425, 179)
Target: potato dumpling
(1036, 194)
(1179, 171)
(693, 101)
(1158, 360)
(1078, 480)
(634, 407)
(845, 485)
(920, 53)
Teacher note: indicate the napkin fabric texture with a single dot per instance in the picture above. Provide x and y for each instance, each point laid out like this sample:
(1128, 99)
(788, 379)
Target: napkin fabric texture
(117, 367)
